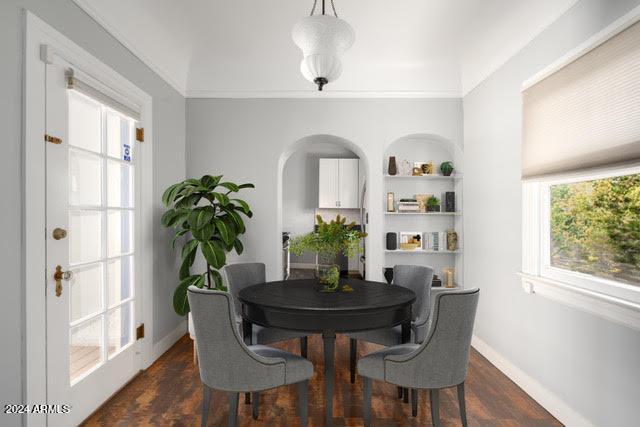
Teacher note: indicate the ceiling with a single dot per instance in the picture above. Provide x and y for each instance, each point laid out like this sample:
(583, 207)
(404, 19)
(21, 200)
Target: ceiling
(405, 48)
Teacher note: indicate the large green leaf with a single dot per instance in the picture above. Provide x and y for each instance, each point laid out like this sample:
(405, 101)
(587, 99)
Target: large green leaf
(180, 299)
(168, 218)
(237, 220)
(243, 205)
(179, 234)
(217, 280)
(188, 258)
(247, 185)
(224, 232)
(205, 233)
(237, 244)
(213, 253)
(169, 194)
(221, 198)
(200, 217)
(230, 186)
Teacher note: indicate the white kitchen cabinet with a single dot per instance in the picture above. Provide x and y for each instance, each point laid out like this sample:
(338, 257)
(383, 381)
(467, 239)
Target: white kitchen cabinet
(339, 183)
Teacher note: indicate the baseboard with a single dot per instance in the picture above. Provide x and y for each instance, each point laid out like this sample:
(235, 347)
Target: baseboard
(169, 340)
(551, 402)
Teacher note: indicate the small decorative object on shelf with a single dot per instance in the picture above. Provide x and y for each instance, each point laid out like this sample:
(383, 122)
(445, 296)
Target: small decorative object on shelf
(417, 171)
(408, 205)
(452, 240)
(429, 168)
(436, 282)
(446, 168)
(422, 201)
(410, 240)
(393, 167)
(392, 241)
(405, 168)
(449, 277)
(388, 275)
(390, 202)
(433, 204)
(449, 201)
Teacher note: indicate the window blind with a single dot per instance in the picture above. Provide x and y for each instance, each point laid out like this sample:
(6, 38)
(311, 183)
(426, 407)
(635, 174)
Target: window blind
(587, 114)
(76, 82)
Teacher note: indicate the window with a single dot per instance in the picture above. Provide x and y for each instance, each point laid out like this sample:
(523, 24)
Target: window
(594, 228)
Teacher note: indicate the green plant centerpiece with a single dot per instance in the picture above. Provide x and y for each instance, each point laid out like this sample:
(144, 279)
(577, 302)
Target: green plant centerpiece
(209, 220)
(329, 240)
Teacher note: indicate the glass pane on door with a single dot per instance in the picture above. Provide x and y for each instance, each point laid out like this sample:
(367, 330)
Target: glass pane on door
(101, 235)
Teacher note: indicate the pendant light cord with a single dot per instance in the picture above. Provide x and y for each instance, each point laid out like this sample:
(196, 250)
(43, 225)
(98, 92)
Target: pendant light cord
(315, 3)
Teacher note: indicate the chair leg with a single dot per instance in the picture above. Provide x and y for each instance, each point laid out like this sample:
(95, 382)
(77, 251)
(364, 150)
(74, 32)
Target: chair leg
(233, 409)
(434, 396)
(461, 403)
(247, 398)
(353, 358)
(206, 400)
(414, 402)
(400, 392)
(366, 401)
(302, 402)
(304, 344)
(255, 401)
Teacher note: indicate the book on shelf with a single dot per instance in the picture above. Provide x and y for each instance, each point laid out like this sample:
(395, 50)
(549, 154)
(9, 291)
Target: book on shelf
(435, 241)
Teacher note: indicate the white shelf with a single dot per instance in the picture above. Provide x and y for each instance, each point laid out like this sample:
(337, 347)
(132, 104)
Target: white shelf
(425, 177)
(422, 251)
(425, 213)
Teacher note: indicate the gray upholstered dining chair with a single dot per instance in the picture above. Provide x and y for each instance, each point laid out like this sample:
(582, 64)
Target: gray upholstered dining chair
(238, 277)
(441, 361)
(228, 364)
(417, 278)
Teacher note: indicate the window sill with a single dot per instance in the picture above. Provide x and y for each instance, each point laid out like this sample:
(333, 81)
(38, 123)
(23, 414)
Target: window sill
(611, 308)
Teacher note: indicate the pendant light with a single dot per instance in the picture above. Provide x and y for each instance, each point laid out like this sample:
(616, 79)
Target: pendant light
(322, 39)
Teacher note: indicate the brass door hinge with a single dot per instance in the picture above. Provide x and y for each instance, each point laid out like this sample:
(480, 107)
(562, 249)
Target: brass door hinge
(140, 332)
(140, 134)
(52, 139)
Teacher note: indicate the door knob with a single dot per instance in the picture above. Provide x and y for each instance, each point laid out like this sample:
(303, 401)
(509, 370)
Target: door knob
(59, 276)
(59, 233)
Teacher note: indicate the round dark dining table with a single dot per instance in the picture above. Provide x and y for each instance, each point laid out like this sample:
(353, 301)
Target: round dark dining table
(299, 305)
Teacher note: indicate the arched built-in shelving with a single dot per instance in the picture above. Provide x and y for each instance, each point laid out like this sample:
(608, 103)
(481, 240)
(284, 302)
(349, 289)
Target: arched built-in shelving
(425, 148)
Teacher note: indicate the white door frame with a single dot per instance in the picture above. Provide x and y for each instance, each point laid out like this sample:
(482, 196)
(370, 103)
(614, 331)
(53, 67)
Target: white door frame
(37, 35)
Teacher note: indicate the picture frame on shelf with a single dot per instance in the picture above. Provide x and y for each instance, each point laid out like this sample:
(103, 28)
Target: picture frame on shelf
(410, 240)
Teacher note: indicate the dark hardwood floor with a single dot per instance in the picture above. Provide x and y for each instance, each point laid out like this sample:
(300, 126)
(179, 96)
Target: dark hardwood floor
(169, 394)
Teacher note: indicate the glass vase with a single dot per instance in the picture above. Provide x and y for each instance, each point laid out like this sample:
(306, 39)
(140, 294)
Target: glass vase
(327, 273)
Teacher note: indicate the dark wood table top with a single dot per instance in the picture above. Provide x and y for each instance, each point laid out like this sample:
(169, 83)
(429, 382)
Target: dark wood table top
(304, 295)
(299, 305)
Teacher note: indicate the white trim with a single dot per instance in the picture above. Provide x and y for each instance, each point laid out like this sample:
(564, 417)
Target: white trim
(618, 310)
(37, 34)
(591, 43)
(86, 6)
(549, 400)
(167, 342)
(327, 94)
(469, 87)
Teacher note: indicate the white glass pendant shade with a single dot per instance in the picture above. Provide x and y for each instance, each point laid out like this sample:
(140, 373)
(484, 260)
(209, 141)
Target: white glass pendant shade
(322, 39)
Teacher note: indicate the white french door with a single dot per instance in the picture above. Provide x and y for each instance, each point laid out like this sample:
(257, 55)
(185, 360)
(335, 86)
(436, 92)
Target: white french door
(92, 273)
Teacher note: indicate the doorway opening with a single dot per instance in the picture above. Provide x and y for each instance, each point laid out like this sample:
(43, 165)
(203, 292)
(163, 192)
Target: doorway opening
(322, 175)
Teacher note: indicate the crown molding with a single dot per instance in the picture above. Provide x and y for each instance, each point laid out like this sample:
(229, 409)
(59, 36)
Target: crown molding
(161, 72)
(327, 94)
(492, 68)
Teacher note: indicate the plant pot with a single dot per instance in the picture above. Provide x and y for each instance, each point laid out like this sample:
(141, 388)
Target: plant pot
(393, 167)
(328, 276)
(433, 208)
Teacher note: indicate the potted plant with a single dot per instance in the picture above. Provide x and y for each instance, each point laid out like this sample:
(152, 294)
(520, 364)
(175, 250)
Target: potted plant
(329, 240)
(446, 168)
(209, 220)
(433, 204)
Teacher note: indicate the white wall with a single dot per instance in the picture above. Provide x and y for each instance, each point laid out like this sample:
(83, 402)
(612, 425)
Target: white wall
(582, 361)
(301, 185)
(245, 139)
(169, 166)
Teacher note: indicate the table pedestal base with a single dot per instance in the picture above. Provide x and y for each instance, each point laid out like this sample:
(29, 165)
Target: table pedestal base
(329, 340)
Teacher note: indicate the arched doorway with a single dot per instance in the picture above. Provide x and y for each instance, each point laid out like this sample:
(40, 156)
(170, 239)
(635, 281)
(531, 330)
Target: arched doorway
(299, 189)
